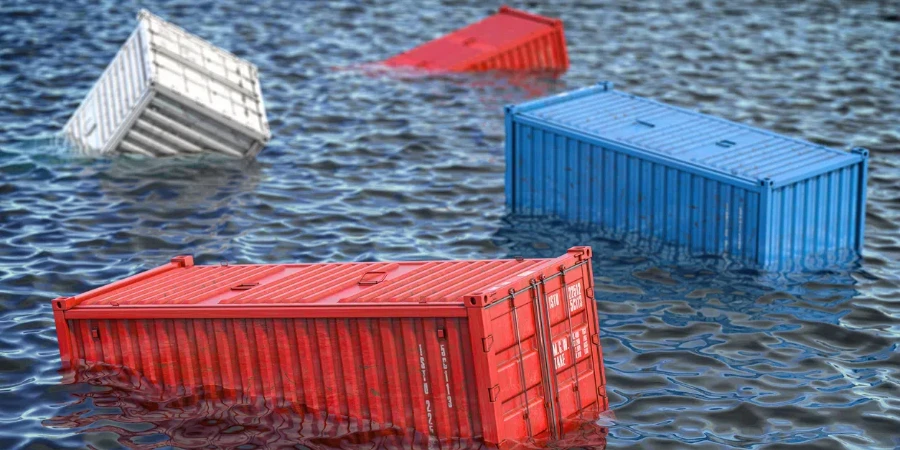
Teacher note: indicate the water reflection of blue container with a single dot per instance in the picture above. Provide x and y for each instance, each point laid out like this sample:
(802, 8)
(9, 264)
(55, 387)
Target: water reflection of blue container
(634, 165)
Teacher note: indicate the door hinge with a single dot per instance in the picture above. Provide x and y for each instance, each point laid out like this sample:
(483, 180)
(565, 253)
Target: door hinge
(494, 393)
(487, 342)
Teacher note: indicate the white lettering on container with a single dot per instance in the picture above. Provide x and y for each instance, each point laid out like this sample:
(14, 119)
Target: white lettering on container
(424, 370)
(580, 341)
(559, 352)
(575, 296)
(553, 300)
(446, 375)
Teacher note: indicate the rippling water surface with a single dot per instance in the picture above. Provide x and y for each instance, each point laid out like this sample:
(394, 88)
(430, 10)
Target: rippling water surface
(700, 352)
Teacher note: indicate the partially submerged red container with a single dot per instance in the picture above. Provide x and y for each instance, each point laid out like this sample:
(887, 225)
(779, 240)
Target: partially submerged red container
(509, 40)
(500, 350)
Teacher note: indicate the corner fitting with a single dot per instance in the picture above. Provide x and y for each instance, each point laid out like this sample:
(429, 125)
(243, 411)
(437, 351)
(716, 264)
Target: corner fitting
(606, 85)
(860, 151)
(62, 303)
(581, 252)
(477, 300)
(183, 261)
(766, 182)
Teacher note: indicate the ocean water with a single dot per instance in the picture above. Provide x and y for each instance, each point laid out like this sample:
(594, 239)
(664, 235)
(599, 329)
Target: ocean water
(700, 352)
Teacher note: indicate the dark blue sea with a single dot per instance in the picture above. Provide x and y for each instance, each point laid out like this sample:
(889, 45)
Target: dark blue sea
(701, 352)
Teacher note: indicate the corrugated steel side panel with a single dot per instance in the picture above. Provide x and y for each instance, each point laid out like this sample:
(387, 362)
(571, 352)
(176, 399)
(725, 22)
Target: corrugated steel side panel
(642, 168)
(556, 173)
(168, 127)
(113, 99)
(546, 52)
(399, 372)
(508, 40)
(167, 93)
(197, 71)
(544, 48)
(178, 417)
(435, 368)
(819, 220)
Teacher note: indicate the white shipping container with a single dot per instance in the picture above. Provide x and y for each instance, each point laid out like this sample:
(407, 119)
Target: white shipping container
(168, 92)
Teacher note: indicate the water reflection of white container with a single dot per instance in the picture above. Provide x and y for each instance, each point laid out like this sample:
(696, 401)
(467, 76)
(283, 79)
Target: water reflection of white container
(168, 92)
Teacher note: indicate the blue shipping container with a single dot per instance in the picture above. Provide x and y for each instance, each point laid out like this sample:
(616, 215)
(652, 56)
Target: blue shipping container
(634, 165)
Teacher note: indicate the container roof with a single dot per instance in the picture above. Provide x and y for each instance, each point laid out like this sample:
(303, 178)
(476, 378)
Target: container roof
(376, 282)
(670, 132)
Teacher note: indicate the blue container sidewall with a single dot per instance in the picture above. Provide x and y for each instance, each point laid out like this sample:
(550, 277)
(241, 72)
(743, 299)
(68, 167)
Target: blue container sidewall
(863, 198)
(819, 218)
(558, 183)
(764, 254)
(510, 159)
(636, 152)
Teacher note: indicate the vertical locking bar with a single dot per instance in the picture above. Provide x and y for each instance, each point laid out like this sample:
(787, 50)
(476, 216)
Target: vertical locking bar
(588, 277)
(549, 374)
(565, 292)
(557, 421)
(515, 317)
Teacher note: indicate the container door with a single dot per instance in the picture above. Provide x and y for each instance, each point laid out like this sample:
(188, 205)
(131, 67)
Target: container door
(520, 356)
(545, 347)
(571, 325)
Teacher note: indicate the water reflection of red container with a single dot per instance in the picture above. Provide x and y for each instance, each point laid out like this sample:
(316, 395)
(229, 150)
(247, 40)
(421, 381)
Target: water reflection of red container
(145, 418)
(503, 351)
(508, 40)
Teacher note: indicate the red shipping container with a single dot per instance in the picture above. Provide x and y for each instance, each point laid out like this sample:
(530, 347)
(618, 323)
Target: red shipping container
(502, 350)
(509, 40)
